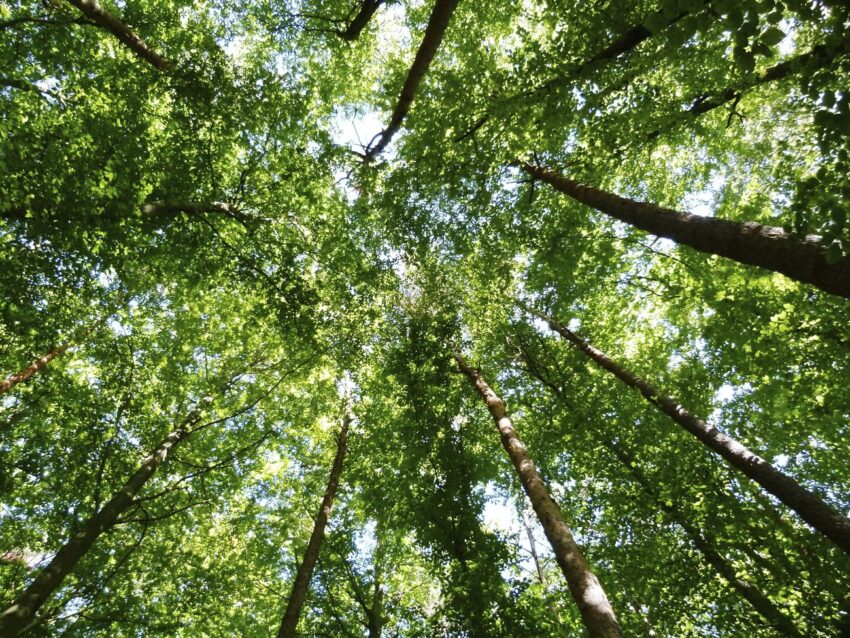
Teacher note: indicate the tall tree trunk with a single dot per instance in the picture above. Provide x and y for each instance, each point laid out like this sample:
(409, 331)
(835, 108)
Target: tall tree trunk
(305, 570)
(376, 612)
(21, 613)
(800, 258)
(105, 20)
(596, 611)
(810, 507)
(439, 20)
(704, 544)
(359, 22)
(14, 379)
(752, 594)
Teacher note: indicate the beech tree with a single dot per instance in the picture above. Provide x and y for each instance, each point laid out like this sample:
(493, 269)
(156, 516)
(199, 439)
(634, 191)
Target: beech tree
(286, 206)
(305, 570)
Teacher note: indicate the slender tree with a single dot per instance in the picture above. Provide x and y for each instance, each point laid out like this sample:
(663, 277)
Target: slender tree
(105, 20)
(808, 506)
(701, 540)
(618, 47)
(375, 611)
(596, 611)
(819, 57)
(801, 258)
(705, 545)
(36, 366)
(437, 23)
(360, 20)
(305, 570)
(22, 612)
(532, 545)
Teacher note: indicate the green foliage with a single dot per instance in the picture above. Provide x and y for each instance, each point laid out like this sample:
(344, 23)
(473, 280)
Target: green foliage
(320, 277)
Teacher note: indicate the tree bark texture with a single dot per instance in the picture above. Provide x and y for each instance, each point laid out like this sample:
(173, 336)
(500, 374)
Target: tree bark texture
(22, 612)
(808, 506)
(800, 258)
(439, 20)
(305, 570)
(14, 379)
(105, 20)
(597, 613)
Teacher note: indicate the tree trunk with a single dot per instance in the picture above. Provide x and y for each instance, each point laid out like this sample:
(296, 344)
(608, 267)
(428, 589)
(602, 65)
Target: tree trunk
(376, 617)
(93, 10)
(806, 504)
(21, 613)
(800, 258)
(752, 594)
(14, 379)
(757, 599)
(359, 22)
(305, 570)
(533, 547)
(596, 611)
(440, 16)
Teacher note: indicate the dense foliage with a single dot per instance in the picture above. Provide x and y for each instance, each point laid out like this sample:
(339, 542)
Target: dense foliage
(212, 237)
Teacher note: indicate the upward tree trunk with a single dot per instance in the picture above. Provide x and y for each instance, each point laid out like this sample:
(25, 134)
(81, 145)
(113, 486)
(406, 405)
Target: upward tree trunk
(96, 13)
(439, 20)
(800, 258)
(702, 541)
(305, 570)
(14, 379)
(359, 22)
(752, 594)
(806, 504)
(376, 612)
(21, 613)
(532, 545)
(596, 611)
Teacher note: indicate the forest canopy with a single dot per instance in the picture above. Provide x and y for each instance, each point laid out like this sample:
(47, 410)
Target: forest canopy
(424, 318)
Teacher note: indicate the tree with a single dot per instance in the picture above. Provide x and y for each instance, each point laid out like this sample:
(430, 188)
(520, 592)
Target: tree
(311, 555)
(806, 504)
(241, 200)
(18, 617)
(14, 379)
(437, 24)
(596, 611)
(803, 259)
(93, 10)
